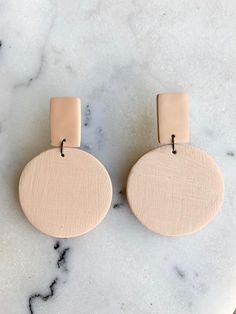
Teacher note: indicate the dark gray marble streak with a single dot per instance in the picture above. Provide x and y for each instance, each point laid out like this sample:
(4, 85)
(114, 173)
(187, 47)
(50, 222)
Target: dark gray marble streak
(51, 290)
(230, 153)
(43, 297)
(179, 272)
(87, 115)
(121, 200)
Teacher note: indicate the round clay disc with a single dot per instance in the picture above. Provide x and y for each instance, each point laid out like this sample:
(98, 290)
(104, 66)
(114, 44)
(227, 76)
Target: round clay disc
(65, 196)
(175, 194)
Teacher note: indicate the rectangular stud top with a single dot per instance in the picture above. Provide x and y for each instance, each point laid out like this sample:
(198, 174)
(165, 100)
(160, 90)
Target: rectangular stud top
(172, 116)
(65, 120)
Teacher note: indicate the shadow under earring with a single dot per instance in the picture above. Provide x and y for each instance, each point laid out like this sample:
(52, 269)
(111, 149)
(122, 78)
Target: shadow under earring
(175, 189)
(65, 192)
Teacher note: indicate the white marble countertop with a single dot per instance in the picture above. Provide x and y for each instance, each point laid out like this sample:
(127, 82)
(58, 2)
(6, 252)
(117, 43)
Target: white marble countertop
(116, 56)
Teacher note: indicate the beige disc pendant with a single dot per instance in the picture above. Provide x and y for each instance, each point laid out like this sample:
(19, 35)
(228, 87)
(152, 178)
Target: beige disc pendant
(175, 189)
(65, 197)
(175, 194)
(65, 191)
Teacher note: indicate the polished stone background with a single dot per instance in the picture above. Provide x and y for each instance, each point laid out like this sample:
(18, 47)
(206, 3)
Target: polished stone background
(116, 56)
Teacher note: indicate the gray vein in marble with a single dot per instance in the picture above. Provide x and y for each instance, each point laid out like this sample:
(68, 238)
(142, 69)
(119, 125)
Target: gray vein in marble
(117, 205)
(69, 68)
(179, 272)
(43, 297)
(121, 202)
(87, 115)
(62, 255)
(57, 245)
(61, 263)
(100, 137)
(85, 147)
(230, 154)
(38, 72)
(62, 266)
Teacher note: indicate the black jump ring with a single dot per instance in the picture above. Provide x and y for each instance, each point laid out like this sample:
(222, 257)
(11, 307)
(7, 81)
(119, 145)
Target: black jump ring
(62, 143)
(173, 144)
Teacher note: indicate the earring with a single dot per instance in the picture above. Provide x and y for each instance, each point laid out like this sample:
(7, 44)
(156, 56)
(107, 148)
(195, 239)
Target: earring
(65, 192)
(175, 189)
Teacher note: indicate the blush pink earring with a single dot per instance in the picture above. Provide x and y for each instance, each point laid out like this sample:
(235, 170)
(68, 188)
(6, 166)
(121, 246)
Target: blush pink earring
(65, 192)
(175, 189)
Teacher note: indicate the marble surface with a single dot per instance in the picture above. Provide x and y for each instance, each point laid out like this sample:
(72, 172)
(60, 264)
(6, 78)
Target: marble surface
(116, 56)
